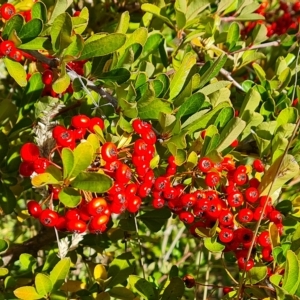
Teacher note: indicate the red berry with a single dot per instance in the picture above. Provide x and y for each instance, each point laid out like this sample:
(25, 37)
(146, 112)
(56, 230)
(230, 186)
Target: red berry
(186, 217)
(7, 10)
(205, 164)
(226, 218)
(264, 239)
(258, 212)
(72, 214)
(96, 206)
(158, 203)
(244, 264)
(66, 139)
(123, 174)
(34, 208)
(235, 199)
(227, 289)
(134, 204)
(30, 152)
(149, 137)
(47, 77)
(77, 226)
(258, 165)
(240, 178)
(226, 235)
(97, 223)
(16, 55)
(109, 152)
(266, 254)
(252, 194)
(95, 121)
(189, 281)
(48, 217)
(245, 215)
(212, 179)
(76, 13)
(40, 165)
(234, 143)
(275, 216)
(80, 121)
(188, 200)
(26, 168)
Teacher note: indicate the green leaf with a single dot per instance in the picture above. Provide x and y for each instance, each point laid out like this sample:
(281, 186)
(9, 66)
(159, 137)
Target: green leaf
(256, 274)
(3, 272)
(7, 110)
(251, 102)
(249, 17)
(59, 8)
(69, 197)
(81, 162)
(31, 30)
(103, 46)
(249, 56)
(60, 273)
(180, 10)
(155, 219)
(16, 71)
(289, 168)
(39, 11)
(3, 245)
(285, 78)
(212, 245)
(152, 44)
(122, 293)
(174, 290)
(213, 70)
(123, 23)
(119, 75)
(92, 182)
(8, 200)
(252, 119)
(149, 106)
(231, 131)
(61, 31)
(39, 43)
(233, 35)
(156, 11)
(291, 278)
(43, 284)
(27, 292)
(214, 87)
(45, 178)
(181, 74)
(33, 90)
(15, 23)
(68, 161)
(191, 105)
(259, 72)
(197, 123)
(142, 287)
(120, 268)
(62, 82)
(75, 48)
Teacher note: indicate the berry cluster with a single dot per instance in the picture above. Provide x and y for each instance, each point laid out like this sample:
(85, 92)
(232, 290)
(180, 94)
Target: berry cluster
(130, 171)
(284, 18)
(220, 195)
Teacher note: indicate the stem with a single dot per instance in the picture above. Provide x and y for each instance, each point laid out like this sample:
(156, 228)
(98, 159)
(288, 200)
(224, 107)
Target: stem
(54, 63)
(265, 45)
(177, 238)
(207, 276)
(140, 246)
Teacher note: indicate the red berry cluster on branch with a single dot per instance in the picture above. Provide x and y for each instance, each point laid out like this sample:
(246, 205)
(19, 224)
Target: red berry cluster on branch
(278, 21)
(227, 197)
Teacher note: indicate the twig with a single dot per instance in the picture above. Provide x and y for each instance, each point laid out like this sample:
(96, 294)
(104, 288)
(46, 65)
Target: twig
(54, 62)
(178, 236)
(265, 45)
(207, 276)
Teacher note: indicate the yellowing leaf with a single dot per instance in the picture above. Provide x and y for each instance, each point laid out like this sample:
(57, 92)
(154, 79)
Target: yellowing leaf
(73, 286)
(26, 293)
(100, 272)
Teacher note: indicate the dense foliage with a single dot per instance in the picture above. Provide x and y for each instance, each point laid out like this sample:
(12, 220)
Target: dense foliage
(149, 150)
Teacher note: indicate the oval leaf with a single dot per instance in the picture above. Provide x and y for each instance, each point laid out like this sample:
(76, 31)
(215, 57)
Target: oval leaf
(92, 182)
(16, 71)
(103, 46)
(43, 284)
(69, 197)
(27, 292)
